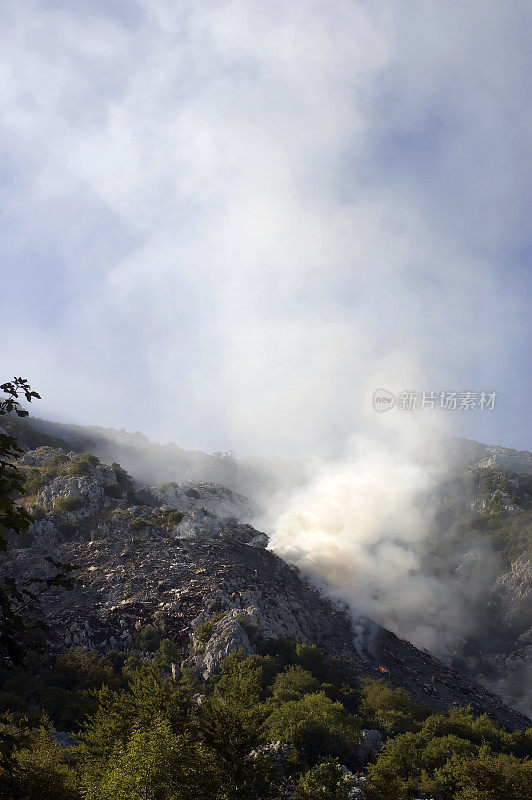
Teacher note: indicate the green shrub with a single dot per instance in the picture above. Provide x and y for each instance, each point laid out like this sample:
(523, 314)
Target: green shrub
(173, 518)
(124, 480)
(204, 630)
(248, 623)
(67, 530)
(492, 775)
(148, 639)
(148, 697)
(294, 683)
(288, 652)
(231, 717)
(461, 722)
(439, 759)
(112, 489)
(509, 534)
(311, 658)
(163, 487)
(62, 689)
(34, 481)
(66, 504)
(83, 669)
(56, 462)
(36, 478)
(168, 653)
(407, 760)
(38, 513)
(138, 524)
(245, 680)
(389, 710)
(83, 464)
(146, 737)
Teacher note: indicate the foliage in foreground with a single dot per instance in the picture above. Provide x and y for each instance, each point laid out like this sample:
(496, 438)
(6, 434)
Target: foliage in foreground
(141, 734)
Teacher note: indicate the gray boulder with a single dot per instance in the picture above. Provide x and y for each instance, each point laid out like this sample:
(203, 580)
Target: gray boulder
(371, 742)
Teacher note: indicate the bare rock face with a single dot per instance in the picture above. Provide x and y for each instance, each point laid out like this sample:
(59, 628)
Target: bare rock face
(466, 453)
(514, 588)
(153, 578)
(277, 751)
(36, 458)
(371, 742)
(509, 671)
(507, 459)
(85, 489)
(82, 489)
(229, 636)
(199, 525)
(210, 497)
(281, 617)
(45, 531)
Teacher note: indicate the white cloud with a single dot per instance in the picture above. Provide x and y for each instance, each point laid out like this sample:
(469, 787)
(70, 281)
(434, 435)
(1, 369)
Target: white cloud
(212, 178)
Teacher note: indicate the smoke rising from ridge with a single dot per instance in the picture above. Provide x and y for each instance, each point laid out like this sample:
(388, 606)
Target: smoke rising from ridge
(361, 527)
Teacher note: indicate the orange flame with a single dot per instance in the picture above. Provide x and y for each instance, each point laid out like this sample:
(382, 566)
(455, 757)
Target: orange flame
(381, 668)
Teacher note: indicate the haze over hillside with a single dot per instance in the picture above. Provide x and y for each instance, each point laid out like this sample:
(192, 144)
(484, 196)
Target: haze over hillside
(441, 560)
(152, 462)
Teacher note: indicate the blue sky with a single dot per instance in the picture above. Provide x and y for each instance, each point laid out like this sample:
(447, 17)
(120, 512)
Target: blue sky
(225, 223)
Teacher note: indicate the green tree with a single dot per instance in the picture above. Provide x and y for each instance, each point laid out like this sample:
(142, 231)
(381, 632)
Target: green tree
(287, 652)
(489, 776)
(157, 764)
(440, 749)
(13, 517)
(316, 727)
(437, 759)
(119, 713)
(148, 639)
(230, 723)
(294, 683)
(245, 681)
(39, 772)
(389, 710)
(19, 601)
(168, 653)
(83, 464)
(397, 771)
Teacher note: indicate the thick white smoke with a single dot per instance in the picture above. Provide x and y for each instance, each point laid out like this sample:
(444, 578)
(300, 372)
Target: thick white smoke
(360, 527)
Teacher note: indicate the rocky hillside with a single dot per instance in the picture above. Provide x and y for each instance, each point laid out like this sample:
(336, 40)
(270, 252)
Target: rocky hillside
(462, 453)
(181, 560)
(480, 545)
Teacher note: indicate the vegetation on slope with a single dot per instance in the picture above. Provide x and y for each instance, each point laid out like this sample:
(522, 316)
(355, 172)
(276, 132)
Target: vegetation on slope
(485, 504)
(142, 734)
